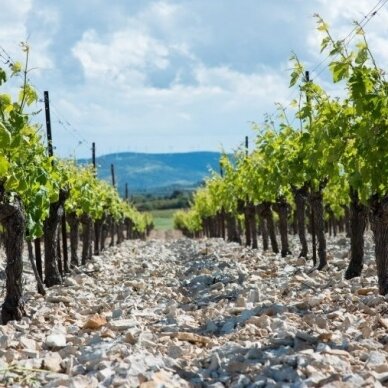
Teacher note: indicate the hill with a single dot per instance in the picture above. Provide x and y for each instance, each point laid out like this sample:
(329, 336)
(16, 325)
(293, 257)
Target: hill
(157, 173)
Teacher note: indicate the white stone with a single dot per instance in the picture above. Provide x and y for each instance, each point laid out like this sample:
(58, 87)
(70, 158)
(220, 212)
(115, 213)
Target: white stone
(52, 361)
(122, 324)
(104, 374)
(56, 341)
(27, 343)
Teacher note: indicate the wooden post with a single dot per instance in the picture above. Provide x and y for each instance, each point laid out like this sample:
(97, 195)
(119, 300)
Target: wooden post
(313, 234)
(126, 192)
(38, 257)
(246, 146)
(64, 244)
(112, 169)
(94, 158)
(38, 251)
(60, 267)
(221, 171)
(51, 153)
(97, 223)
(312, 215)
(48, 124)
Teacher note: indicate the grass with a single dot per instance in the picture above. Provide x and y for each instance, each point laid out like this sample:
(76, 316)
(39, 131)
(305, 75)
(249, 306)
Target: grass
(163, 219)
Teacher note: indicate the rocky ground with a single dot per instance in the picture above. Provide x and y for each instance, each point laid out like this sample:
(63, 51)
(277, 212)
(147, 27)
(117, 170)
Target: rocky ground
(184, 313)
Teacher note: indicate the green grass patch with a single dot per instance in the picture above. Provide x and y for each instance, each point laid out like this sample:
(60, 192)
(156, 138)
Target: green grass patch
(163, 219)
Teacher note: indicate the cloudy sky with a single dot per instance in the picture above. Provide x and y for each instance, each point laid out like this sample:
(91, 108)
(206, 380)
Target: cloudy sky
(171, 75)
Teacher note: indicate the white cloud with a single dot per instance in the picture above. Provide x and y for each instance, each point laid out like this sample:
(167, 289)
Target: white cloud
(199, 98)
(172, 73)
(345, 10)
(14, 29)
(143, 43)
(264, 83)
(124, 55)
(164, 12)
(12, 23)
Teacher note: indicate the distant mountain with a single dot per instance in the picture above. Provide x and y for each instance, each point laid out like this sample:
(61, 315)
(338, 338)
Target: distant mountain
(152, 173)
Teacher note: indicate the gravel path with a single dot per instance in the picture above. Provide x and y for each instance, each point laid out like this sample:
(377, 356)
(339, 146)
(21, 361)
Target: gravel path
(182, 313)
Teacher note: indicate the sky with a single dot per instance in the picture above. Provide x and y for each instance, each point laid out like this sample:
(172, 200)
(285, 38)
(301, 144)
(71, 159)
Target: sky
(172, 75)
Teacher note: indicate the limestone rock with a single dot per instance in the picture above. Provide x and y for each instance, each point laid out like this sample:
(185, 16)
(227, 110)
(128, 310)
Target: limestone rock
(56, 341)
(122, 324)
(95, 322)
(52, 361)
(221, 314)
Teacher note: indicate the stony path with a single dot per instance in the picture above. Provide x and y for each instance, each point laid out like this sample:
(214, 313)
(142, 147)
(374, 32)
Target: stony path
(182, 313)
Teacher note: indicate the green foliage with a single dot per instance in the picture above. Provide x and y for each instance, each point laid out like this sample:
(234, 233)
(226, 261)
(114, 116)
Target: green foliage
(365, 159)
(340, 144)
(26, 171)
(188, 221)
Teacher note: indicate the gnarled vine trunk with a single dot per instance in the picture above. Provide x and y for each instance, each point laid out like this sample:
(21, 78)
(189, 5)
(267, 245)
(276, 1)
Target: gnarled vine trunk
(358, 219)
(247, 227)
(104, 233)
(294, 223)
(379, 226)
(263, 232)
(281, 207)
(332, 221)
(232, 228)
(347, 221)
(251, 212)
(31, 258)
(120, 232)
(13, 220)
(129, 226)
(73, 221)
(112, 231)
(266, 212)
(64, 244)
(59, 252)
(98, 235)
(316, 202)
(50, 230)
(87, 229)
(223, 226)
(300, 196)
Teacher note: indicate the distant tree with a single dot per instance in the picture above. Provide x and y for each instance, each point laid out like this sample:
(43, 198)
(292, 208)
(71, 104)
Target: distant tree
(176, 194)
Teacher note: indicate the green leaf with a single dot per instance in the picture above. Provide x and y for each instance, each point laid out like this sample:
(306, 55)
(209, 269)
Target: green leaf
(54, 196)
(12, 183)
(325, 43)
(362, 54)
(4, 165)
(5, 136)
(16, 68)
(294, 78)
(339, 70)
(322, 26)
(3, 76)
(5, 99)
(28, 94)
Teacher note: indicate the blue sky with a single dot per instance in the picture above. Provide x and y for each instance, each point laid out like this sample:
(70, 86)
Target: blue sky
(171, 75)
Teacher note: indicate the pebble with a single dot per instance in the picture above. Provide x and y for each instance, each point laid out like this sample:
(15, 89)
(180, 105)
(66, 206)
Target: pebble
(95, 322)
(27, 343)
(56, 341)
(52, 362)
(221, 314)
(122, 324)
